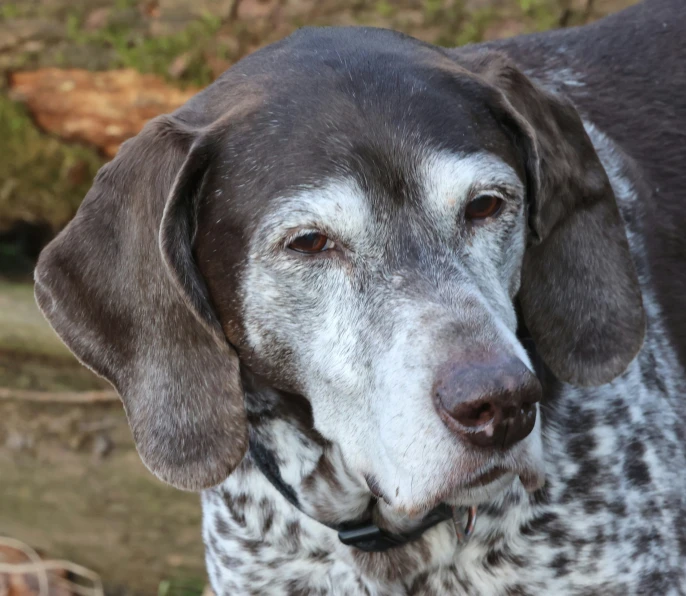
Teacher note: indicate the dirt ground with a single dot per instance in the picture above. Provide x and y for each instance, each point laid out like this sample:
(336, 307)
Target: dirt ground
(74, 487)
(71, 482)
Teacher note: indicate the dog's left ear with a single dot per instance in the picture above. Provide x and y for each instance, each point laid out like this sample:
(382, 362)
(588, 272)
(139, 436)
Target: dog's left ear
(121, 288)
(579, 294)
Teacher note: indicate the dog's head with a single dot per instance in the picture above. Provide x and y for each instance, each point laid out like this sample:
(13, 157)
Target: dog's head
(351, 215)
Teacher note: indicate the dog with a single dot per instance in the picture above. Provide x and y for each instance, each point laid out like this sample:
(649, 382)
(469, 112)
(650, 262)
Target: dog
(409, 317)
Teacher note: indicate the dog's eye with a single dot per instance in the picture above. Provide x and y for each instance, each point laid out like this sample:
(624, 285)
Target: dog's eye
(311, 243)
(483, 207)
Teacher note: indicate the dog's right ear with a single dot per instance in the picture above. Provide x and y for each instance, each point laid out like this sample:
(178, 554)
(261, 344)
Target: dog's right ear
(580, 295)
(120, 287)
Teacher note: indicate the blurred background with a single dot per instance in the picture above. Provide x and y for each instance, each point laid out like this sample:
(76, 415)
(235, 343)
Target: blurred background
(78, 77)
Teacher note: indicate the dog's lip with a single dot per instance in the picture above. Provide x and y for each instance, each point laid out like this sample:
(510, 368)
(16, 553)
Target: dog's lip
(478, 490)
(375, 488)
(532, 480)
(486, 478)
(464, 487)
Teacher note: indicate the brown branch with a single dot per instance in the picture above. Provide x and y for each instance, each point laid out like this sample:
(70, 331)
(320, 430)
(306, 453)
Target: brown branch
(232, 13)
(588, 10)
(61, 397)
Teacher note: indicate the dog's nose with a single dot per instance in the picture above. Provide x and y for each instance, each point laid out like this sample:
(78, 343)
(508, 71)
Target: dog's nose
(490, 403)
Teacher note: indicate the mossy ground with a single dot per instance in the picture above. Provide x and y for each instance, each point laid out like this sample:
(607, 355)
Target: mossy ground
(42, 179)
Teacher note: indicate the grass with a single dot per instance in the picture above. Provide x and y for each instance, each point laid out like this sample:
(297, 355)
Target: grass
(132, 46)
(13, 10)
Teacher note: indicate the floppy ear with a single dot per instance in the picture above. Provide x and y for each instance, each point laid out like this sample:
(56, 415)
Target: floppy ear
(120, 287)
(579, 294)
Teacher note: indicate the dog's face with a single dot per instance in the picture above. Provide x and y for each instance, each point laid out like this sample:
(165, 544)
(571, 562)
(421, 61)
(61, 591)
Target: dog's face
(366, 298)
(364, 287)
(357, 231)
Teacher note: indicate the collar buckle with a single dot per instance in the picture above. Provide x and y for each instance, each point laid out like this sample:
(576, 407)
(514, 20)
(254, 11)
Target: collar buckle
(369, 537)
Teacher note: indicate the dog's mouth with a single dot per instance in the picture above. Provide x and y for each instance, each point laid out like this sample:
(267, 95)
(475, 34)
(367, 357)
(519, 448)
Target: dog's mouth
(492, 483)
(473, 477)
(531, 480)
(477, 491)
(487, 478)
(489, 485)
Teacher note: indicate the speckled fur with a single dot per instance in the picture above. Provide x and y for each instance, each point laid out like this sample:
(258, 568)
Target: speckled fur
(609, 520)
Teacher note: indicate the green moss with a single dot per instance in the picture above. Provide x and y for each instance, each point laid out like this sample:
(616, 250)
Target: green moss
(474, 28)
(42, 179)
(384, 8)
(125, 4)
(9, 11)
(457, 25)
(182, 586)
(14, 10)
(133, 48)
(541, 14)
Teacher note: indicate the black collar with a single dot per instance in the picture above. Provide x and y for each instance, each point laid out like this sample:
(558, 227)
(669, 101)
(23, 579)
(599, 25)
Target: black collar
(362, 534)
(371, 538)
